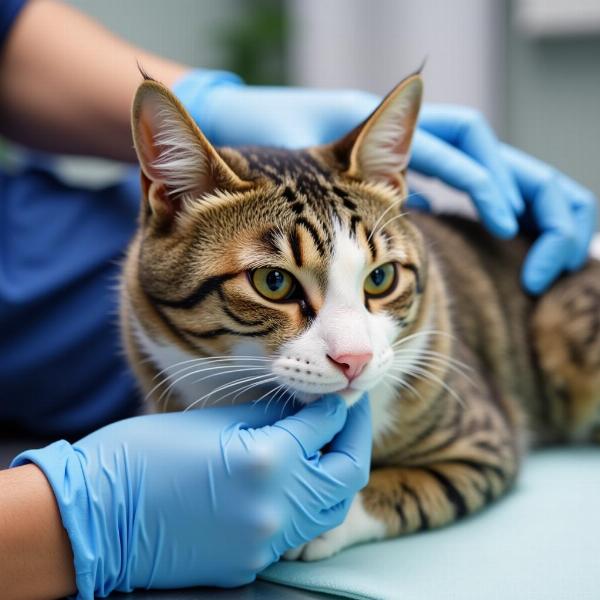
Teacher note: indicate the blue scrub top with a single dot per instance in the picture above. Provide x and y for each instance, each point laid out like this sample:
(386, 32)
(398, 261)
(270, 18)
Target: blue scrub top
(62, 370)
(9, 9)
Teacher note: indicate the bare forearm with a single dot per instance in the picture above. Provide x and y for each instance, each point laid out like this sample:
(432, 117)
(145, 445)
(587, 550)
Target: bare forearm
(36, 561)
(66, 83)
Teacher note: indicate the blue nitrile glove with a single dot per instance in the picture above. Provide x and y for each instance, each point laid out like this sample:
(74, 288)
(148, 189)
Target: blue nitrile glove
(207, 497)
(564, 213)
(453, 143)
(457, 145)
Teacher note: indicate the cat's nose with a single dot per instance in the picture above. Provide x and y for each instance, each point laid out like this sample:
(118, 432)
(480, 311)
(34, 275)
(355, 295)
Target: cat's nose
(351, 365)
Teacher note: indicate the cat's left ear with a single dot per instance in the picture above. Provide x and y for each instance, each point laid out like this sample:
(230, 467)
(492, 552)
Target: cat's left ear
(379, 148)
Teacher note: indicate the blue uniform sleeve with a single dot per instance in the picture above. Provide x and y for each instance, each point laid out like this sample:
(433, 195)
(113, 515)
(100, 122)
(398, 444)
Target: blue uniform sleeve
(9, 10)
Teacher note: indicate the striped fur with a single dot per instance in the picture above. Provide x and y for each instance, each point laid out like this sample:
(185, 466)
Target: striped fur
(467, 370)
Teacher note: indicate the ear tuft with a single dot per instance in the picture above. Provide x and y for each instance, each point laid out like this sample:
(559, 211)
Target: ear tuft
(175, 157)
(169, 148)
(143, 72)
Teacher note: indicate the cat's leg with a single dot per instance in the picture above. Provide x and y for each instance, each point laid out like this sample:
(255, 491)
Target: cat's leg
(445, 482)
(566, 338)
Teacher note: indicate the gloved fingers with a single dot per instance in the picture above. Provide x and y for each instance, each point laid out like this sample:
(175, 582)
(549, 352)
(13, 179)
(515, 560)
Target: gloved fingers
(533, 174)
(348, 461)
(530, 173)
(545, 261)
(434, 157)
(335, 515)
(467, 129)
(555, 247)
(559, 208)
(314, 425)
(584, 208)
(586, 217)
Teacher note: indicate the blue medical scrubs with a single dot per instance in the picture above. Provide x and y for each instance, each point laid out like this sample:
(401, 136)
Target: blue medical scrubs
(62, 371)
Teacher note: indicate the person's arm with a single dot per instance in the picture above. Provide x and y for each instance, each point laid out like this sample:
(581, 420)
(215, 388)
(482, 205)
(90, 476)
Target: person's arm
(36, 561)
(66, 83)
(224, 490)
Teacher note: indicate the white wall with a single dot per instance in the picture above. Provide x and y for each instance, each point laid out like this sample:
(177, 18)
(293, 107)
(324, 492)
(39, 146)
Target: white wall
(374, 44)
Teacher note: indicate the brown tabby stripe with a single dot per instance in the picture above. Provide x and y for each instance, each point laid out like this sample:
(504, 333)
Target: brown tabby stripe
(206, 288)
(424, 520)
(314, 234)
(294, 240)
(451, 492)
(237, 318)
(229, 312)
(412, 267)
(371, 244)
(212, 333)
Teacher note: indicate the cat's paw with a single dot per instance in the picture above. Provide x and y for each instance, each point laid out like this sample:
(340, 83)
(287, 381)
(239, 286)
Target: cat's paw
(293, 553)
(327, 544)
(359, 526)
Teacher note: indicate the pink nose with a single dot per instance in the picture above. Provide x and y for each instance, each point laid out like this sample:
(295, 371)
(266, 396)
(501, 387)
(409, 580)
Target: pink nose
(351, 365)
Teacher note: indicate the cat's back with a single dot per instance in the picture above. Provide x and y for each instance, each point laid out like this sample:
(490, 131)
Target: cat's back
(489, 309)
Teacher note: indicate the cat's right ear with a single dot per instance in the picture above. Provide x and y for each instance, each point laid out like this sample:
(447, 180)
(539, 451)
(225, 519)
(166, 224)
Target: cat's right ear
(177, 161)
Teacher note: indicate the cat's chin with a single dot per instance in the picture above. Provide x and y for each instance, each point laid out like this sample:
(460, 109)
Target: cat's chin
(350, 396)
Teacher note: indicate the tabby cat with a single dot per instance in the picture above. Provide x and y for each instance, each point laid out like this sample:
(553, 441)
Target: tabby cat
(259, 273)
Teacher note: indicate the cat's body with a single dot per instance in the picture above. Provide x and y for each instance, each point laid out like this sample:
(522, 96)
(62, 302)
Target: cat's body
(462, 367)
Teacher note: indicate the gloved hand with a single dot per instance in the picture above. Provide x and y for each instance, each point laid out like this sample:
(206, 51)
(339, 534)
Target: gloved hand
(456, 145)
(453, 143)
(208, 497)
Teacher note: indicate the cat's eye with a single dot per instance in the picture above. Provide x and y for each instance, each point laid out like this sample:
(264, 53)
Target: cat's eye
(273, 284)
(381, 280)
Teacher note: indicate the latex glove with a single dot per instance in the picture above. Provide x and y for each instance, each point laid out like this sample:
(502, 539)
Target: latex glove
(564, 213)
(233, 114)
(456, 145)
(208, 497)
(453, 143)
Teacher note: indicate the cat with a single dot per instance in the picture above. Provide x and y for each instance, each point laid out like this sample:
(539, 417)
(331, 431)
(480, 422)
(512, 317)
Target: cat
(259, 272)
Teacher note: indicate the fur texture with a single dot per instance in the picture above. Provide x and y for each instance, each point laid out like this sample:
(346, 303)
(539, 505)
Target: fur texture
(464, 370)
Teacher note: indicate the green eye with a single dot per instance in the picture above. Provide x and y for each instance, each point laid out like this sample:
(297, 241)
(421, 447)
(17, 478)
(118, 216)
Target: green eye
(273, 284)
(381, 280)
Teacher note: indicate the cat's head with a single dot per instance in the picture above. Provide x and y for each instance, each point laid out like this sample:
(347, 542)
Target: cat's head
(299, 263)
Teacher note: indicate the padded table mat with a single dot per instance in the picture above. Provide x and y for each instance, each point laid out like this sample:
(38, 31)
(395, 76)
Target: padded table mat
(541, 541)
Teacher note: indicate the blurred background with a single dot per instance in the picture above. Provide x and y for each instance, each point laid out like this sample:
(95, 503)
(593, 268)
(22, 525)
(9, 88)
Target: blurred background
(531, 66)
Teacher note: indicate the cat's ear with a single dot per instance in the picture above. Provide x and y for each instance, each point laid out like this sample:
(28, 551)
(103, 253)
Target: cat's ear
(379, 148)
(176, 159)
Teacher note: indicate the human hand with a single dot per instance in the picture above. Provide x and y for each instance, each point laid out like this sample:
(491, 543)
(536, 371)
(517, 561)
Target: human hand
(453, 143)
(208, 497)
(456, 145)
(563, 213)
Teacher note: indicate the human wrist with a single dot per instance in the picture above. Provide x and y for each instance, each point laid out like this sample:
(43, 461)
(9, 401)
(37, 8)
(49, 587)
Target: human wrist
(195, 89)
(35, 553)
(83, 514)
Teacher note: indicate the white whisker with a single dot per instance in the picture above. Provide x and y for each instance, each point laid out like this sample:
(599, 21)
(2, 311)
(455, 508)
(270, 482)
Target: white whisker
(390, 207)
(261, 378)
(221, 371)
(425, 375)
(405, 384)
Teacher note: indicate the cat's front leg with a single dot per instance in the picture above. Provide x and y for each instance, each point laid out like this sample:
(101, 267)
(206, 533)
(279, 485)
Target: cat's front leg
(401, 500)
(358, 527)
